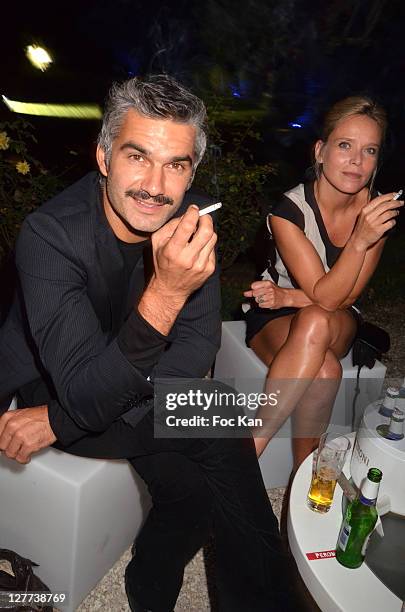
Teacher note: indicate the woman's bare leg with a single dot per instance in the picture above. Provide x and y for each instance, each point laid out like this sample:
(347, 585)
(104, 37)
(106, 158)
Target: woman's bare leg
(297, 347)
(311, 416)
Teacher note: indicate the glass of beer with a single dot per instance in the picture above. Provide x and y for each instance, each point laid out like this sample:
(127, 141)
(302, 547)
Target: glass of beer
(328, 461)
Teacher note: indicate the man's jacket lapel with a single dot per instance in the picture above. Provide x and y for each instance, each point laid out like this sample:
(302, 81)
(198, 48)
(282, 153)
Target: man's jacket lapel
(111, 268)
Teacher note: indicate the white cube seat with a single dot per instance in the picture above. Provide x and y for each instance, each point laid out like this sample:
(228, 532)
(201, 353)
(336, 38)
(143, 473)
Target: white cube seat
(239, 366)
(72, 515)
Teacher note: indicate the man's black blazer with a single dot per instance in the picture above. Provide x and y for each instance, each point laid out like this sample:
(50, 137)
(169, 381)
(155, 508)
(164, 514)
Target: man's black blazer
(70, 308)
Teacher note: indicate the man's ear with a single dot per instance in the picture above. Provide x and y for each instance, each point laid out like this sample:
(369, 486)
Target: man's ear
(101, 160)
(318, 151)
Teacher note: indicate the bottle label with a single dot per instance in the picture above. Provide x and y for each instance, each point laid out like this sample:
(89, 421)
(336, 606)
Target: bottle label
(389, 402)
(386, 412)
(344, 536)
(368, 502)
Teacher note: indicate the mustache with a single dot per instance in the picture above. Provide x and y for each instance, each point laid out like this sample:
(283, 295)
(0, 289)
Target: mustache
(142, 194)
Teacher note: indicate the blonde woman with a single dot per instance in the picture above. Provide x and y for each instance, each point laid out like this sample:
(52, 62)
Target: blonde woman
(329, 236)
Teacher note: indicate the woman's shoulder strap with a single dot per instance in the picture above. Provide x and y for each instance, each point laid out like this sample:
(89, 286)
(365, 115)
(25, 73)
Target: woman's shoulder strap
(290, 207)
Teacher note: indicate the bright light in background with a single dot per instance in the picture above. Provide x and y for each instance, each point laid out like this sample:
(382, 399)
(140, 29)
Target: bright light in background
(72, 111)
(39, 57)
(302, 120)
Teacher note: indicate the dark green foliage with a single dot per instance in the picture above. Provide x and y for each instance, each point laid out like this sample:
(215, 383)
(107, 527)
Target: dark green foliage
(388, 281)
(24, 181)
(230, 175)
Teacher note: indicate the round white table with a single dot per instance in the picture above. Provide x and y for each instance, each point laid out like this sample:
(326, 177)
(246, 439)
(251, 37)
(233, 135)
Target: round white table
(312, 538)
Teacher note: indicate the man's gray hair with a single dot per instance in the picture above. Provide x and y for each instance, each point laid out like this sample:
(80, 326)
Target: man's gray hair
(158, 97)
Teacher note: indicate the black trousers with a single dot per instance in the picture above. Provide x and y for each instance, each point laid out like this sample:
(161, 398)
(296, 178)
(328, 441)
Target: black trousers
(197, 486)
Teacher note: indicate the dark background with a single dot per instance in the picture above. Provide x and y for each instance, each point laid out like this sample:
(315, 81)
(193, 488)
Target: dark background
(287, 57)
(280, 63)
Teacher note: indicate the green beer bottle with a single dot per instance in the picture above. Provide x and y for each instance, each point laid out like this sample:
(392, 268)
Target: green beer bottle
(359, 522)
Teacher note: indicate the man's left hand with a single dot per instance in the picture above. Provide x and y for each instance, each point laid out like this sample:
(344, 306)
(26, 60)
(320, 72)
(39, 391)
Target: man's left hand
(24, 432)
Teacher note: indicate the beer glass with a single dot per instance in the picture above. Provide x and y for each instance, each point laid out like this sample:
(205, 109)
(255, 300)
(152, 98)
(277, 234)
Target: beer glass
(329, 459)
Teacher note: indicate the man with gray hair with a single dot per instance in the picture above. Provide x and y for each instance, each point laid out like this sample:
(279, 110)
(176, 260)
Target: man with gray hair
(119, 287)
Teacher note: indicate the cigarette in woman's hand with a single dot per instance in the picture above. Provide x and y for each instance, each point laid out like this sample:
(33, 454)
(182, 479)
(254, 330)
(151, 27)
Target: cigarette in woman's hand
(210, 208)
(396, 196)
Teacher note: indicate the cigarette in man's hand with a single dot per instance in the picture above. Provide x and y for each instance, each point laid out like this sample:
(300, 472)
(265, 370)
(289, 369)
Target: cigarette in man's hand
(210, 208)
(396, 196)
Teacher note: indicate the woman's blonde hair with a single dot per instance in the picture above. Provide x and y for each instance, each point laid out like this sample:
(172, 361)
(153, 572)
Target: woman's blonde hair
(354, 105)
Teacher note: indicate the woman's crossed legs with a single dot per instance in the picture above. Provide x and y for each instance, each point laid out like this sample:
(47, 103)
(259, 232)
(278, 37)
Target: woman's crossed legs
(303, 353)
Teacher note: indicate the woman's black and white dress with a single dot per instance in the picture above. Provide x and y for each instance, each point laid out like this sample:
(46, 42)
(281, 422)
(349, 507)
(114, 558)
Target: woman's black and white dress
(299, 206)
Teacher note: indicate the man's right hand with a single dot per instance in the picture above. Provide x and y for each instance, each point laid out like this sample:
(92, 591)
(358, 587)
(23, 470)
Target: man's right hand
(25, 431)
(184, 258)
